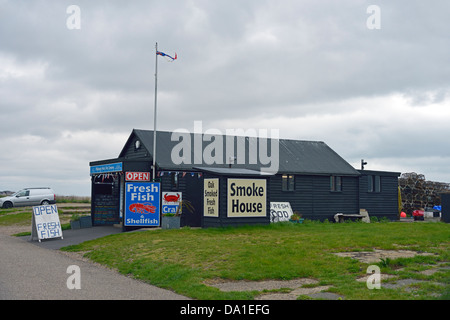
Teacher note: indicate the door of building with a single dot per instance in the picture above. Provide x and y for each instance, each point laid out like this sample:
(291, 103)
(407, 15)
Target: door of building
(193, 194)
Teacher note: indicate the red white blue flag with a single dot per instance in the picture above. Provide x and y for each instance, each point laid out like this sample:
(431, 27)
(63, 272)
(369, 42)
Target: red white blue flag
(166, 55)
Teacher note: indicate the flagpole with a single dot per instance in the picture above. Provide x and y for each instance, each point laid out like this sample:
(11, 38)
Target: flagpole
(154, 115)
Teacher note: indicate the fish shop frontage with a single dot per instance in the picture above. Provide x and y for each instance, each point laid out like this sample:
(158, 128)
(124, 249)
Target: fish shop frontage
(216, 181)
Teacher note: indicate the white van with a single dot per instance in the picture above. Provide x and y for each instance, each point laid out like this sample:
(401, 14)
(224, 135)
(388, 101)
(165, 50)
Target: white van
(29, 197)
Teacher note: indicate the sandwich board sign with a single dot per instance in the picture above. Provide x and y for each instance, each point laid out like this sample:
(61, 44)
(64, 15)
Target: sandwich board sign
(280, 211)
(45, 223)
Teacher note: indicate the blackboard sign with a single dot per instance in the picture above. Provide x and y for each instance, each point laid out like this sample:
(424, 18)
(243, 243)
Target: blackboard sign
(45, 223)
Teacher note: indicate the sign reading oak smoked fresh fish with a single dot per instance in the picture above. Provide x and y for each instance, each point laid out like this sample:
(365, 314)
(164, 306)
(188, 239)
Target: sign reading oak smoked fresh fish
(246, 198)
(211, 197)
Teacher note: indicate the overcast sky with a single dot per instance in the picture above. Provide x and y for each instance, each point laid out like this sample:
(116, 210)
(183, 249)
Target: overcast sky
(370, 86)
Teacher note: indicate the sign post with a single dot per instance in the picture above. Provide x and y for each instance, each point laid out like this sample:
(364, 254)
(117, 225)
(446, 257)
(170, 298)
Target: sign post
(45, 223)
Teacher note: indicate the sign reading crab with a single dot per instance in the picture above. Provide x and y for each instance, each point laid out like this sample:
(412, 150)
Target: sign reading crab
(142, 203)
(170, 202)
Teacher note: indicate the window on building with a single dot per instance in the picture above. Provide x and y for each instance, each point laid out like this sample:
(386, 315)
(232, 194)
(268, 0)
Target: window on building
(336, 183)
(377, 184)
(287, 183)
(373, 184)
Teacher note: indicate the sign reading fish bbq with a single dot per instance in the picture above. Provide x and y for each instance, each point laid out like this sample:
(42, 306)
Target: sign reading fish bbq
(142, 204)
(246, 198)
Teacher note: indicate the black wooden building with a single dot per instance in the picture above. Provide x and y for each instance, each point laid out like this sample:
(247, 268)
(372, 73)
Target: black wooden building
(315, 180)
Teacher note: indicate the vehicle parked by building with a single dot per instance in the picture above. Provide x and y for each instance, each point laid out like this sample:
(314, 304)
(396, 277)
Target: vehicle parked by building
(29, 197)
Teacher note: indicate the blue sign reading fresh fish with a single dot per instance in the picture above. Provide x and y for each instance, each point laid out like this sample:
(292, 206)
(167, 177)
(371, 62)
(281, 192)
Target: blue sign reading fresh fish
(142, 203)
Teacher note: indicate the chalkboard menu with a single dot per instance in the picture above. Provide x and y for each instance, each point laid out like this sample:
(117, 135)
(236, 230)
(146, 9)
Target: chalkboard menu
(106, 203)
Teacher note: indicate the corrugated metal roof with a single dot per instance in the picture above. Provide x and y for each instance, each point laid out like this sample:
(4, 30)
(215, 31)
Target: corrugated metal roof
(295, 156)
(232, 171)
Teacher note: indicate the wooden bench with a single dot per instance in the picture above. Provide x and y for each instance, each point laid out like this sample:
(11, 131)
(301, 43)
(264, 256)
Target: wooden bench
(341, 217)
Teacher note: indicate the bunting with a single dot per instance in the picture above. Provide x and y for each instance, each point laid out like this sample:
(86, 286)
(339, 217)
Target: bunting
(162, 173)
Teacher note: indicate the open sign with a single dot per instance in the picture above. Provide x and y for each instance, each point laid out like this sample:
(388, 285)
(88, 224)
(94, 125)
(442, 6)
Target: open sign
(137, 176)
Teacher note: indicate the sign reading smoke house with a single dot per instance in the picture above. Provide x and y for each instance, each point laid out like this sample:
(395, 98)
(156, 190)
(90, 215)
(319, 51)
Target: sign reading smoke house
(211, 198)
(246, 197)
(142, 203)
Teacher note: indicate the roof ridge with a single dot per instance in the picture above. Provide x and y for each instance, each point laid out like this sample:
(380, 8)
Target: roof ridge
(225, 135)
(294, 156)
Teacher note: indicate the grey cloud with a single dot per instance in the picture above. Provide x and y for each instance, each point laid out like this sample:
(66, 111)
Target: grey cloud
(240, 63)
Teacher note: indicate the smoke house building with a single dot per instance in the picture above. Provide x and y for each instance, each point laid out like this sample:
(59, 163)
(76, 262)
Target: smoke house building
(231, 180)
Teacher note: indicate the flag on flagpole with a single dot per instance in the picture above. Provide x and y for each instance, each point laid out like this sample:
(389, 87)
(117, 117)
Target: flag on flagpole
(162, 54)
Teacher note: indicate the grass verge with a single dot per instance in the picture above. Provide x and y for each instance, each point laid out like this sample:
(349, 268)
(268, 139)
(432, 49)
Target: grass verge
(182, 260)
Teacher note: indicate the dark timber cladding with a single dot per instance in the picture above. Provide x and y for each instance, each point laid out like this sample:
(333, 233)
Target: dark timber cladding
(378, 193)
(313, 178)
(223, 175)
(312, 164)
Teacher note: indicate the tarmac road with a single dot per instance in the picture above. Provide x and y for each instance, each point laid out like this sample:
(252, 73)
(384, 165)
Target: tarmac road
(33, 272)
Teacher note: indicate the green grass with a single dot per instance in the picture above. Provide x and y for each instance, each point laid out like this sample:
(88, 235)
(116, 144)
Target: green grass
(181, 260)
(72, 199)
(14, 216)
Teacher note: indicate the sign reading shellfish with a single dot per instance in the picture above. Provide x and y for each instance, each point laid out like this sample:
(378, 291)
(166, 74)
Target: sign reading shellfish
(170, 202)
(142, 204)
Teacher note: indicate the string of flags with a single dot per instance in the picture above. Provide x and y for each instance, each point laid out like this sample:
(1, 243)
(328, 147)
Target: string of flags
(106, 176)
(183, 174)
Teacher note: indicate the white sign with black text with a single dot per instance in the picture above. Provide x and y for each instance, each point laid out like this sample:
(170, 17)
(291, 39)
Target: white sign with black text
(280, 211)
